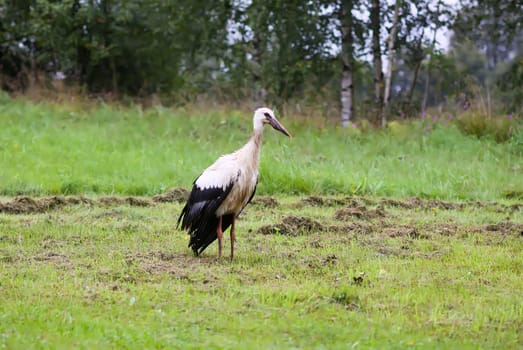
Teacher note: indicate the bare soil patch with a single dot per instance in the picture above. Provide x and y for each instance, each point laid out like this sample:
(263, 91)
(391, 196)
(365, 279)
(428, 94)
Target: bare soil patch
(415, 202)
(409, 203)
(28, 205)
(133, 201)
(300, 225)
(25, 204)
(181, 266)
(353, 201)
(359, 212)
(293, 226)
(266, 202)
(179, 195)
(59, 260)
(404, 231)
(503, 227)
(354, 207)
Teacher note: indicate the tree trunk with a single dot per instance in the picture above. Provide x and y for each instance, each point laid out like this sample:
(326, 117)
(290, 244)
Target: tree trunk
(427, 75)
(375, 24)
(388, 77)
(114, 78)
(426, 89)
(414, 81)
(347, 89)
(429, 64)
(260, 93)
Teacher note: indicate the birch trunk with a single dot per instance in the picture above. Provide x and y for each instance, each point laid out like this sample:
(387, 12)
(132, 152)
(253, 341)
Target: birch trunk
(388, 76)
(347, 107)
(375, 23)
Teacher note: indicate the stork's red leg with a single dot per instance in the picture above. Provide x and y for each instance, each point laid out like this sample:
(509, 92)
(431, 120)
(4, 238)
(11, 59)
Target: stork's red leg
(233, 236)
(219, 233)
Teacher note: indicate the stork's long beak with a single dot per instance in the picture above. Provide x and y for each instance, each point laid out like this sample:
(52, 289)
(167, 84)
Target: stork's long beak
(277, 126)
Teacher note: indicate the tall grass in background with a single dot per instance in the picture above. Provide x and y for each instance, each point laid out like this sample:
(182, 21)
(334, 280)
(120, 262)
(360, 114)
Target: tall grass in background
(59, 149)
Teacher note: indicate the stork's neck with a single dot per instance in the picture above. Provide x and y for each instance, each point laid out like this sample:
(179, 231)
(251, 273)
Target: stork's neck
(251, 150)
(256, 137)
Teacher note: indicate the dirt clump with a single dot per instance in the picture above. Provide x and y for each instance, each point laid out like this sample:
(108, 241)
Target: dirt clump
(312, 201)
(353, 227)
(26, 204)
(111, 200)
(442, 229)
(329, 260)
(74, 200)
(407, 204)
(292, 226)
(404, 231)
(315, 201)
(503, 227)
(355, 202)
(359, 212)
(297, 225)
(138, 201)
(51, 256)
(57, 259)
(30, 205)
(21, 205)
(415, 202)
(179, 195)
(359, 279)
(266, 202)
(433, 203)
(133, 201)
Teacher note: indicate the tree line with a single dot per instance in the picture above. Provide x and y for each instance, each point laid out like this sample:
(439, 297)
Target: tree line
(374, 58)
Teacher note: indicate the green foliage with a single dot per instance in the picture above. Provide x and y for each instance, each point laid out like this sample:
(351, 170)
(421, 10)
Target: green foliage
(279, 52)
(509, 84)
(494, 26)
(133, 47)
(500, 128)
(288, 45)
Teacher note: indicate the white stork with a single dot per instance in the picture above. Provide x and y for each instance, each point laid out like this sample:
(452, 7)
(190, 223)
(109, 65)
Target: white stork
(221, 192)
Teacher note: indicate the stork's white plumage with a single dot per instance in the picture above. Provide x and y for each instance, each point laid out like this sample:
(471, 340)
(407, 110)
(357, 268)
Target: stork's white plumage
(221, 192)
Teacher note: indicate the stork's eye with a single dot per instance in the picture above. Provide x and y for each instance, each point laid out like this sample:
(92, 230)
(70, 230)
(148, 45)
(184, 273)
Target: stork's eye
(267, 115)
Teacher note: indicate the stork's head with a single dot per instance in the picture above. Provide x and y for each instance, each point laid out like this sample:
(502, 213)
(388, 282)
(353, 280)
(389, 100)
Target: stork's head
(264, 116)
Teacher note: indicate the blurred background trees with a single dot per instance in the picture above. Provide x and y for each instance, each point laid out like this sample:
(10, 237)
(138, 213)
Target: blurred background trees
(279, 52)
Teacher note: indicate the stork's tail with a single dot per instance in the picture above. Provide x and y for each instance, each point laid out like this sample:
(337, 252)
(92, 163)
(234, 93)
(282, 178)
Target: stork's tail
(201, 223)
(199, 218)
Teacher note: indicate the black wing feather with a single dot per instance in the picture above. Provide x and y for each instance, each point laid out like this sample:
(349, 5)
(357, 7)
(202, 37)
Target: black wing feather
(198, 216)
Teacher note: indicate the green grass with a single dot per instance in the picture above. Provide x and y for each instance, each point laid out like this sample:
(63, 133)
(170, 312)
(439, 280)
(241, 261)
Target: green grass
(104, 276)
(121, 277)
(51, 149)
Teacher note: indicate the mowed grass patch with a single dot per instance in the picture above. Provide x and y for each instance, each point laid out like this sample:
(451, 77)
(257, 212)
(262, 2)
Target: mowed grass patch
(53, 149)
(89, 276)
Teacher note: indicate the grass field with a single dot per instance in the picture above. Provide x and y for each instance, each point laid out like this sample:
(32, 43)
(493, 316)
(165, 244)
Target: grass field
(332, 273)
(50, 149)
(388, 239)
